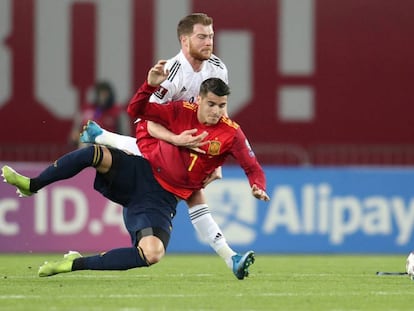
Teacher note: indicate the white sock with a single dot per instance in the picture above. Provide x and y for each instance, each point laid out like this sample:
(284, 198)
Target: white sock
(208, 229)
(118, 141)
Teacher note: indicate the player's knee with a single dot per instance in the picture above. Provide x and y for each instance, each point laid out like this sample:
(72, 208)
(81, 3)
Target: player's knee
(153, 249)
(154, 257)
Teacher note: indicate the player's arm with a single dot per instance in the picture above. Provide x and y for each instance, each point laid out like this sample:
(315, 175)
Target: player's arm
(244, 155)
(140, 106)
(161, 96)
(166, 90)
(184, 139)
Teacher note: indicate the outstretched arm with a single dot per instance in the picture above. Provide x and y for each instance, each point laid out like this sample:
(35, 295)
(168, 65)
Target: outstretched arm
(139, 105)
(243, 153)
(157, 74)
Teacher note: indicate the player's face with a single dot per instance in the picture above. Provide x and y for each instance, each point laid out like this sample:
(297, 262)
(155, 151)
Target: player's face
(211, 108)
(200, 42)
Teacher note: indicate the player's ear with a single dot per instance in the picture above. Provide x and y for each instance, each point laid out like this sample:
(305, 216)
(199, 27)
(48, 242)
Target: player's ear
(184, 40)
(198, 99)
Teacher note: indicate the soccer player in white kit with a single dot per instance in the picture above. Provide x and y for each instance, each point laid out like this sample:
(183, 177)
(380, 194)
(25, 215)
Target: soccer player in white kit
(187, 70)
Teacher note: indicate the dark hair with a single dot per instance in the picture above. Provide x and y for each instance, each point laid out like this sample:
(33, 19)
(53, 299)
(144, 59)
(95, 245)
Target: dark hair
(105, 86)
(186, 24)
(215, 86)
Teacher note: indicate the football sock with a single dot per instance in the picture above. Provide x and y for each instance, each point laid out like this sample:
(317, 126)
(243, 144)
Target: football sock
(116, 259)
(68, 166)
(205, 225)
(117, 141)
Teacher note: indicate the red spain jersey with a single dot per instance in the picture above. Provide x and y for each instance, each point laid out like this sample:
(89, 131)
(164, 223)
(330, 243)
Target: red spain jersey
(180, 170)
(146, 143)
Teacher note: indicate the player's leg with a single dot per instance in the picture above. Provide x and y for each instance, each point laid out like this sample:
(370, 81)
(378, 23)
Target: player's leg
(115, 259)
(93, 133)
(148, 248)
(149, 251)
(148, 212)
(149, 245)
(206, 226)
(152, 248)
(147, 215)
(65, 167)
(209, 230)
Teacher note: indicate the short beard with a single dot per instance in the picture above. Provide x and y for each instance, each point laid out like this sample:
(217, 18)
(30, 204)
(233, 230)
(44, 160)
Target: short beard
(198, 55)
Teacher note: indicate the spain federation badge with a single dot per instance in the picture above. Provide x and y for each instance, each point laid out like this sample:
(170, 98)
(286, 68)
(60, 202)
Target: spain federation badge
(214, 147)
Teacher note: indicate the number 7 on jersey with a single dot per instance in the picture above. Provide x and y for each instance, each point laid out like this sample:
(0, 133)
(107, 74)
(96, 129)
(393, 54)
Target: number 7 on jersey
(194, 158)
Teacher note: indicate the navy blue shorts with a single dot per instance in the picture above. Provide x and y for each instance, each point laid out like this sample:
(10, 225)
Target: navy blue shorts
(131, 183)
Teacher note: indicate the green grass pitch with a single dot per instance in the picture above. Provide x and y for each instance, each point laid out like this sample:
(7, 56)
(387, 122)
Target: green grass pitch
(190, 282)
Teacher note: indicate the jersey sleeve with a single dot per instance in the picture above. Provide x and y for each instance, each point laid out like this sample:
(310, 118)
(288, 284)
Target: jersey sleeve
(141, 107)
(162, 94)
(244, 155)
(168, 89)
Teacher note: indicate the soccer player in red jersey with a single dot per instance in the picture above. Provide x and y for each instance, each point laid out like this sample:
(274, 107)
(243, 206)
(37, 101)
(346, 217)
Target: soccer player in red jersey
(187, 70)
(150, 189)
(180, 170)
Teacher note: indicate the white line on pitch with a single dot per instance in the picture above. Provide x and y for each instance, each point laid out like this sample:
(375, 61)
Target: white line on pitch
(143, 296)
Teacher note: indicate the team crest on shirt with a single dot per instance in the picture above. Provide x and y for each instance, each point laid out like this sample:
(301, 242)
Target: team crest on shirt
(214, 147)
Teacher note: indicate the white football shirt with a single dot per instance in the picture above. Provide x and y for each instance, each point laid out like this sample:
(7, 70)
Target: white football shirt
(183, 83)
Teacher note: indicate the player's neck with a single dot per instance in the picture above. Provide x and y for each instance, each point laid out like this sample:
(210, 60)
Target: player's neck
(196, 64)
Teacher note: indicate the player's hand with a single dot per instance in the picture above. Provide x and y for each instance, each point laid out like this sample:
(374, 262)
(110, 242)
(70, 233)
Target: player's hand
(259, 193)
(188, 140)
(217, 174)
(157, 74)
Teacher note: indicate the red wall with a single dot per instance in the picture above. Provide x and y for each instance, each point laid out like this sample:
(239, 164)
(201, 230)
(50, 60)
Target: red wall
(362, 81)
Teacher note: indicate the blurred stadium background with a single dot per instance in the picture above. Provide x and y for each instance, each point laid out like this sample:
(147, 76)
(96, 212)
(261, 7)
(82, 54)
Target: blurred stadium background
(322, 88)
